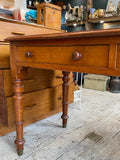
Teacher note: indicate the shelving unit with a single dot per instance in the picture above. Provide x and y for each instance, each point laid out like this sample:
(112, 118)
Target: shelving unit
(89, 23)
(74, 23)
(31, 7)
(105, 19)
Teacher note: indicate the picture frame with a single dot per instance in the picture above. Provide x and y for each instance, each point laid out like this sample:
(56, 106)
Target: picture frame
(112, 5)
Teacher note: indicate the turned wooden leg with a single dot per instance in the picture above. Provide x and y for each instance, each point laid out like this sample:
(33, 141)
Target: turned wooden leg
(65, 85)
(18, 89)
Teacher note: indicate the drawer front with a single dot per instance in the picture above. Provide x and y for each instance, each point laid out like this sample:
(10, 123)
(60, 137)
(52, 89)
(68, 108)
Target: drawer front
(39, 103)
(90, 55)
(36, 79)
(22, 29)
(4, 55)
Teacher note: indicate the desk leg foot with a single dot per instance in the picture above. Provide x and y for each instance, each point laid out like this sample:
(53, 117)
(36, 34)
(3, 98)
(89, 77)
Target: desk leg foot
(18, 89)
(65, 85)
(20, 153)
(64, 125)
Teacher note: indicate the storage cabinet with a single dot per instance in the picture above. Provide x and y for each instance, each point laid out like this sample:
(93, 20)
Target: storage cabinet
(43, 88)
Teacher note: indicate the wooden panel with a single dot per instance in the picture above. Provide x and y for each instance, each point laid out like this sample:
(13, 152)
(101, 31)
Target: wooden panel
(112, 55)
(118, 57)
(39, 103)
(1, 81)
(92, 55)
(88, 26)
(4, 55)
(36, 79)
(3, 110)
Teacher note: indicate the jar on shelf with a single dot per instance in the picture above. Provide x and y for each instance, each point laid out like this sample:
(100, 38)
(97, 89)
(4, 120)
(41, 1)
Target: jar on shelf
(101, 13)
(36, 2)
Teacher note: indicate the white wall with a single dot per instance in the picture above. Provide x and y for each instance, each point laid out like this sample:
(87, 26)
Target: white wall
(20, 4)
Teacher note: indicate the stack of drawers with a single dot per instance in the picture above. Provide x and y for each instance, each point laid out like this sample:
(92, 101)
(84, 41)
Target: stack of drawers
(43, 88)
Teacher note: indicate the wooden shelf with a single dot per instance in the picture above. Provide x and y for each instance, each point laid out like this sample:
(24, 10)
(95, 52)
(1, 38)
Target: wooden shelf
(72, 23)
(31, 7)
(105, 19)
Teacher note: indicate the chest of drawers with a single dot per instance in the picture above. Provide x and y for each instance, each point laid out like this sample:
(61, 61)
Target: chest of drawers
(37, 82)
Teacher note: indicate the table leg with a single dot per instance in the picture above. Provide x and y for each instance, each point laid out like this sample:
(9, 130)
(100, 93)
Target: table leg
(18, 89)
(65, 85)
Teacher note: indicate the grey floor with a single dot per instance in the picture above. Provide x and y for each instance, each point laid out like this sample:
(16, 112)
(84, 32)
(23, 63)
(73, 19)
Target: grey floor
(47, 140)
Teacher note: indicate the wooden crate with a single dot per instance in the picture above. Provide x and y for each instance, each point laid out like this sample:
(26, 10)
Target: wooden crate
(49, 15)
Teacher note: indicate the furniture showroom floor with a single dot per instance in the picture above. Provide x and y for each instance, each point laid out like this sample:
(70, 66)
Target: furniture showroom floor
(47, 140)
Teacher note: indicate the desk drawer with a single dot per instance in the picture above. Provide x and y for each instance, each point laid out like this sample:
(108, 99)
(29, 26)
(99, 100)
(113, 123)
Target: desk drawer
(39, 104)
(91, 55)
(8, 29)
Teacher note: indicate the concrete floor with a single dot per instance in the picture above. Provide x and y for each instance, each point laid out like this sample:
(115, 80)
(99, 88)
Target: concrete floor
(47, 140)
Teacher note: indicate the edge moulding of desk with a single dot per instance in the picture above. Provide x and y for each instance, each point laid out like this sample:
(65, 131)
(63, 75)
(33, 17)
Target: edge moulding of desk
(96, 52)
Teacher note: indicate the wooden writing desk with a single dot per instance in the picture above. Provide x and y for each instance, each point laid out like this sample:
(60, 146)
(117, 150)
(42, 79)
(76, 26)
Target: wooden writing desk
(95, 52)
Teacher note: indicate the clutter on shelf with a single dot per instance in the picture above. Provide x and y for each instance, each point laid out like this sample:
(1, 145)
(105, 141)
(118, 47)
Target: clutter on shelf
(74, 14)
(31, 16)
(112, 10)
(36, 2)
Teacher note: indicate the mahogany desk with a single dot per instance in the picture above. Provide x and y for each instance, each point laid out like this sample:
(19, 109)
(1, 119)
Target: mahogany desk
(95, 52)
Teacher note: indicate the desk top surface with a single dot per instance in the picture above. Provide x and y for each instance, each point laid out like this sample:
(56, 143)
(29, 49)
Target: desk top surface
(92, 33)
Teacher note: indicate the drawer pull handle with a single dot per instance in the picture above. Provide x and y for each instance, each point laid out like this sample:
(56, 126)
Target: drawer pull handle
(60, 98)
(30, 106)
(76, 56)
(28, 54)
(18, 33)
(59, 77)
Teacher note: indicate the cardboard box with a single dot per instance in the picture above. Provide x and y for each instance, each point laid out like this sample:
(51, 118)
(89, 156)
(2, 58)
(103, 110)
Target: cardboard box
(97, 82)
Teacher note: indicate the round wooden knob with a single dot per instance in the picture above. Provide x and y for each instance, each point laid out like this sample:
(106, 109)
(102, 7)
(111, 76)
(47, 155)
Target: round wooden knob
(76, 56)
(28, 54)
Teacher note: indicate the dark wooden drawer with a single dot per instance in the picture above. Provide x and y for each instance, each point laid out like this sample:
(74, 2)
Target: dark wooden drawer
(38, 104)
(91, 55)
(35, 80)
